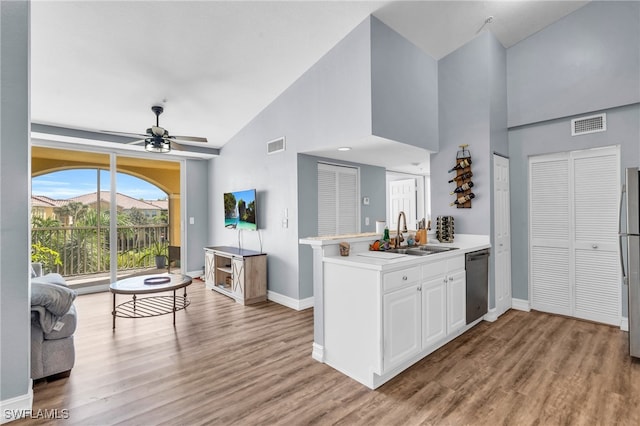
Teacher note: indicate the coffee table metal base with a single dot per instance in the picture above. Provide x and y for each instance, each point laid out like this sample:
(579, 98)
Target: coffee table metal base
(152, 306)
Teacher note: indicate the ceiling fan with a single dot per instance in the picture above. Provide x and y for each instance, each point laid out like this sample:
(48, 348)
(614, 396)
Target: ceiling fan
(157, 139)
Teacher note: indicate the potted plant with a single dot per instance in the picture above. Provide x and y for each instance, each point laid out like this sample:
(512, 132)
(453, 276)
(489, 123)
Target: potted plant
(159, 250)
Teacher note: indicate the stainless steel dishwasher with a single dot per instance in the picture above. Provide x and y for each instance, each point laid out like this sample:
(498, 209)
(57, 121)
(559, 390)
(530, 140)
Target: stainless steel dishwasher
(477, 266)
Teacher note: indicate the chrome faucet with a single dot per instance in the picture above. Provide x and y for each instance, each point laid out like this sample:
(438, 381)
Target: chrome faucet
(399, 237)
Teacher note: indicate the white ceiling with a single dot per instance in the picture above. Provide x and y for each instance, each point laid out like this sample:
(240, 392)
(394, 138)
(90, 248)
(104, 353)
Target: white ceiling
(216, 64)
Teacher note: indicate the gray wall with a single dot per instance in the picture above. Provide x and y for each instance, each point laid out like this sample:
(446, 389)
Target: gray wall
(587, 61)
(623, 128)
(404, 87)
(372, 185)
(464, 116)
(15, 168)
(197, 199)
(330, 102)
(473, 110)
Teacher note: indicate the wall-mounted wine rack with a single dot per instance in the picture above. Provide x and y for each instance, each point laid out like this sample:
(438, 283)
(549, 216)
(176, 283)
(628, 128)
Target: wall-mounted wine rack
(463, 190)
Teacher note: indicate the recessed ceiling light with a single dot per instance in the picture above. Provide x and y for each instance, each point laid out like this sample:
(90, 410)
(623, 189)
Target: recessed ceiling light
(344, 148)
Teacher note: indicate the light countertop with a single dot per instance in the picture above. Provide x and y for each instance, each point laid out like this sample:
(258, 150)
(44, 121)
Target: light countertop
(384, 261)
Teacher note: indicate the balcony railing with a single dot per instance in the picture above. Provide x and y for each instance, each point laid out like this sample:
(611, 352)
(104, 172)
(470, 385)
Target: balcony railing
(85, 250)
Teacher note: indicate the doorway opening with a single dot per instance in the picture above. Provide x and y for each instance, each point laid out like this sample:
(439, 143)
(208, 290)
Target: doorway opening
(76, 194)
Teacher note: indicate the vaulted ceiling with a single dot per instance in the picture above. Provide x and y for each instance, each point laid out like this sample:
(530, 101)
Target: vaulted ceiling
(100, 65)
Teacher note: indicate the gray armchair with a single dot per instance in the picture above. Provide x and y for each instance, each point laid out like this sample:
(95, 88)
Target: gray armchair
(53, 322)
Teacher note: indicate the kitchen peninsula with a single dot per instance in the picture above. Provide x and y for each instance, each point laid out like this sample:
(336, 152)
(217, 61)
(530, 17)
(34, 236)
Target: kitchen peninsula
(378, 313)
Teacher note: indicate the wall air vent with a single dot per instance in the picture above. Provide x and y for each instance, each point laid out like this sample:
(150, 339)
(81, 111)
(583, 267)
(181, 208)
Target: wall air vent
(591, 124)
(276, 145)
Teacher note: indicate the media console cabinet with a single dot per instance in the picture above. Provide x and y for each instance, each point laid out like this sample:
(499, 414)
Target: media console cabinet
(237, 273)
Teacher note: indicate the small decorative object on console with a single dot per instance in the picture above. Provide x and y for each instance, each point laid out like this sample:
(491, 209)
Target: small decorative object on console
(344, 249)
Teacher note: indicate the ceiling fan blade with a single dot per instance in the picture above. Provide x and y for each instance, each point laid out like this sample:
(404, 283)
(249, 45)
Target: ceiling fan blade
(176, 146)
(131, 135)
(138, 142)
(188, 139)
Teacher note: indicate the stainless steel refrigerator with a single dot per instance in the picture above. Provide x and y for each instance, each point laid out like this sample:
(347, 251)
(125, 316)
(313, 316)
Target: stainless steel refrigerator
(631, 268)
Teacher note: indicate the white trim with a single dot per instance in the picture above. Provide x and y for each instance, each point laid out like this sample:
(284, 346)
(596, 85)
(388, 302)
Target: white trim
(18, 405)
(317, 352)
(289, 302)
(520, 304)
(492, 315)
(624, 324)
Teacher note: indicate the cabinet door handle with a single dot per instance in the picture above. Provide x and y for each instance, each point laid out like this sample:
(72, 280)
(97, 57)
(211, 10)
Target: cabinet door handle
(419, 288)
(404, 278)
(450, 278)
(595, 246)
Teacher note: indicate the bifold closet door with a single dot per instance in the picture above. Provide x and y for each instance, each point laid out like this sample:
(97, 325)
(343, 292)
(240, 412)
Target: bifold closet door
(596, 188)
(549, 234)
(573, 217)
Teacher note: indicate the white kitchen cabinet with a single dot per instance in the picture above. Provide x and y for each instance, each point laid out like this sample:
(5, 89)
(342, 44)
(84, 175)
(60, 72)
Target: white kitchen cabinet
(425, 307)
(378, 323)
(456, 301)
(402, 324)
(434, 311)
(443, 299)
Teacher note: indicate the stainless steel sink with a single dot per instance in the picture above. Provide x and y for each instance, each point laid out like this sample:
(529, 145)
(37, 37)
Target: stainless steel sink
(422, 250)
(436, 249)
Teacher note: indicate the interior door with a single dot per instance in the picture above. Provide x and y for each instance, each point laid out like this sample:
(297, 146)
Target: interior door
(502, 234)
(549, 234)
(574, 264)
(595, 205)
(402, 197)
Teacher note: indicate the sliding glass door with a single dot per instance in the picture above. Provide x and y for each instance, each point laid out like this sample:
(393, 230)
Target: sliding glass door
(97, 217)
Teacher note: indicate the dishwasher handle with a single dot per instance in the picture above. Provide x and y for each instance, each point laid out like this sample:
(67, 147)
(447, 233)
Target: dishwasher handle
(477, 255)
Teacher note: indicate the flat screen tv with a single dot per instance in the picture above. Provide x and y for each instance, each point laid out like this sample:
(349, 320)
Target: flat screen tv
(240, 210)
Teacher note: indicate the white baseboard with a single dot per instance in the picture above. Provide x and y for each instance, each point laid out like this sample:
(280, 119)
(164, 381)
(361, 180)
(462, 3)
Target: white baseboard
(520, 305)
(290, 302)
(624, 324)
(491, 316)
(17, 407)
(317, 352)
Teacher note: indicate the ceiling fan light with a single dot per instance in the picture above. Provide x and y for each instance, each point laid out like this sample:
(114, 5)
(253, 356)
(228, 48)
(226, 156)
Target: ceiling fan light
(157, 145)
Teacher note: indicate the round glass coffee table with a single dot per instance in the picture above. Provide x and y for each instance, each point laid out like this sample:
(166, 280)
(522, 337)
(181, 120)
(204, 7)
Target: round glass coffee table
(142, 307)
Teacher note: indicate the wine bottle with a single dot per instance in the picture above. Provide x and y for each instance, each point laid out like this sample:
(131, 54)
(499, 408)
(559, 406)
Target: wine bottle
(462, 176)
(461, 165)
(464, 199)
(462, 188)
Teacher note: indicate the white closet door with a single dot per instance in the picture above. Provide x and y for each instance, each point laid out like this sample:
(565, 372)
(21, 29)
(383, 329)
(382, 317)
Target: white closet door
(338, 200)
(597, 276)
(549, 234)
(574, 265)
(502, 234)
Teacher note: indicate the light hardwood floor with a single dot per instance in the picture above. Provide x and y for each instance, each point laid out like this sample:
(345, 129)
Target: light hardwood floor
(224, 363)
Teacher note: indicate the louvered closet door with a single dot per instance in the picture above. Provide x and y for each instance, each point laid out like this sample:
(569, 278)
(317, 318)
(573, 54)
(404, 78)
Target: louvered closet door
(574, 265)
(549, 234)
(338, 200)
(597, 266)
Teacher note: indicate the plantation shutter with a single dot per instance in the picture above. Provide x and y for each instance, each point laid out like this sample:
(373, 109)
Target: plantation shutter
(337, 200)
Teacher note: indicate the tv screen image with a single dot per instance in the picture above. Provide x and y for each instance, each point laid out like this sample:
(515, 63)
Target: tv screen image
(240, 210)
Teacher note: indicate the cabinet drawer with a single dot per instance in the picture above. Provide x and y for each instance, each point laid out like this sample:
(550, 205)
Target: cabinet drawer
(397, 279)
(435, 269)
(456, 264)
